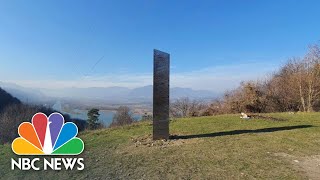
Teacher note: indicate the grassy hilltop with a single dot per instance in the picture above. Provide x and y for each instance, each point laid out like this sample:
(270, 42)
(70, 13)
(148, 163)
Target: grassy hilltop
(219, 147)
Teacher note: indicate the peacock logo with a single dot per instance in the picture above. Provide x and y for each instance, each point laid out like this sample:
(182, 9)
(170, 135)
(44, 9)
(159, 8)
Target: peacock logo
(47, 136)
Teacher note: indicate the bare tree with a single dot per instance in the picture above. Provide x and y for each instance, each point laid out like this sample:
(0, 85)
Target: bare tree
(180, 107)
(296, 86)
(303, 77)
(184, 107)
(215, 108)
(311, 64)
(122, 117)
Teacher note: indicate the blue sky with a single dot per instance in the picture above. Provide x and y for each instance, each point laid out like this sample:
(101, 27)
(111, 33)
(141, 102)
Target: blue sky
(213, 44)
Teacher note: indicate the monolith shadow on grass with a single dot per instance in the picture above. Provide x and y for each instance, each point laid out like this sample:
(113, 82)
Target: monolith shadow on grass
(238, 132)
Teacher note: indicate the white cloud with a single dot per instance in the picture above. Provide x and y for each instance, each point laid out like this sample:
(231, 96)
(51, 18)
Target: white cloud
(217, 79)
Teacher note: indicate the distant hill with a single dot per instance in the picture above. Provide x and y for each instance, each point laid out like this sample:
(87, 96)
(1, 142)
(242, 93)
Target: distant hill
(146, 92)
(27, 95)
(7, 99)
(125, 95)
(90, 93)
(95, 95)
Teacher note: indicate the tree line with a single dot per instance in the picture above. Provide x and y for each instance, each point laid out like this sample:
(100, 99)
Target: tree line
(294, 87)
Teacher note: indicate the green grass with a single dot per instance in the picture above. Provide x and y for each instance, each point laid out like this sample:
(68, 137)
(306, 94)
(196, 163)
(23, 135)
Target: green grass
(225, 150)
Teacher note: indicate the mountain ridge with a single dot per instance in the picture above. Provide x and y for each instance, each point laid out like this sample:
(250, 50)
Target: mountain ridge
(114, 94)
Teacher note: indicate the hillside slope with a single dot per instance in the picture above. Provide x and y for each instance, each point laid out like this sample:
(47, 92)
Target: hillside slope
(220, 147)
(7, 99)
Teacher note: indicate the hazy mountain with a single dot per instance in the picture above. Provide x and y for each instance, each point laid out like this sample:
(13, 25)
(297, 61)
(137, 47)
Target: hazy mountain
(178, 92)
(146, 92)
(121, 94)
(24, 94)
(89, 93)
(141, 93)
(101, 94)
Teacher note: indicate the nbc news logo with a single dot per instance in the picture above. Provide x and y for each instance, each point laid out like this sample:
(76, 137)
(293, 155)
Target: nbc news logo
(48, 136)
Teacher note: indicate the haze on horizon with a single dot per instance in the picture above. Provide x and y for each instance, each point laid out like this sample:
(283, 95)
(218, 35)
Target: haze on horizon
(214, 45)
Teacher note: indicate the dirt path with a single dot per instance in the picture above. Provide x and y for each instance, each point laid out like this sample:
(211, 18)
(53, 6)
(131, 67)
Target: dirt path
(310, 165)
